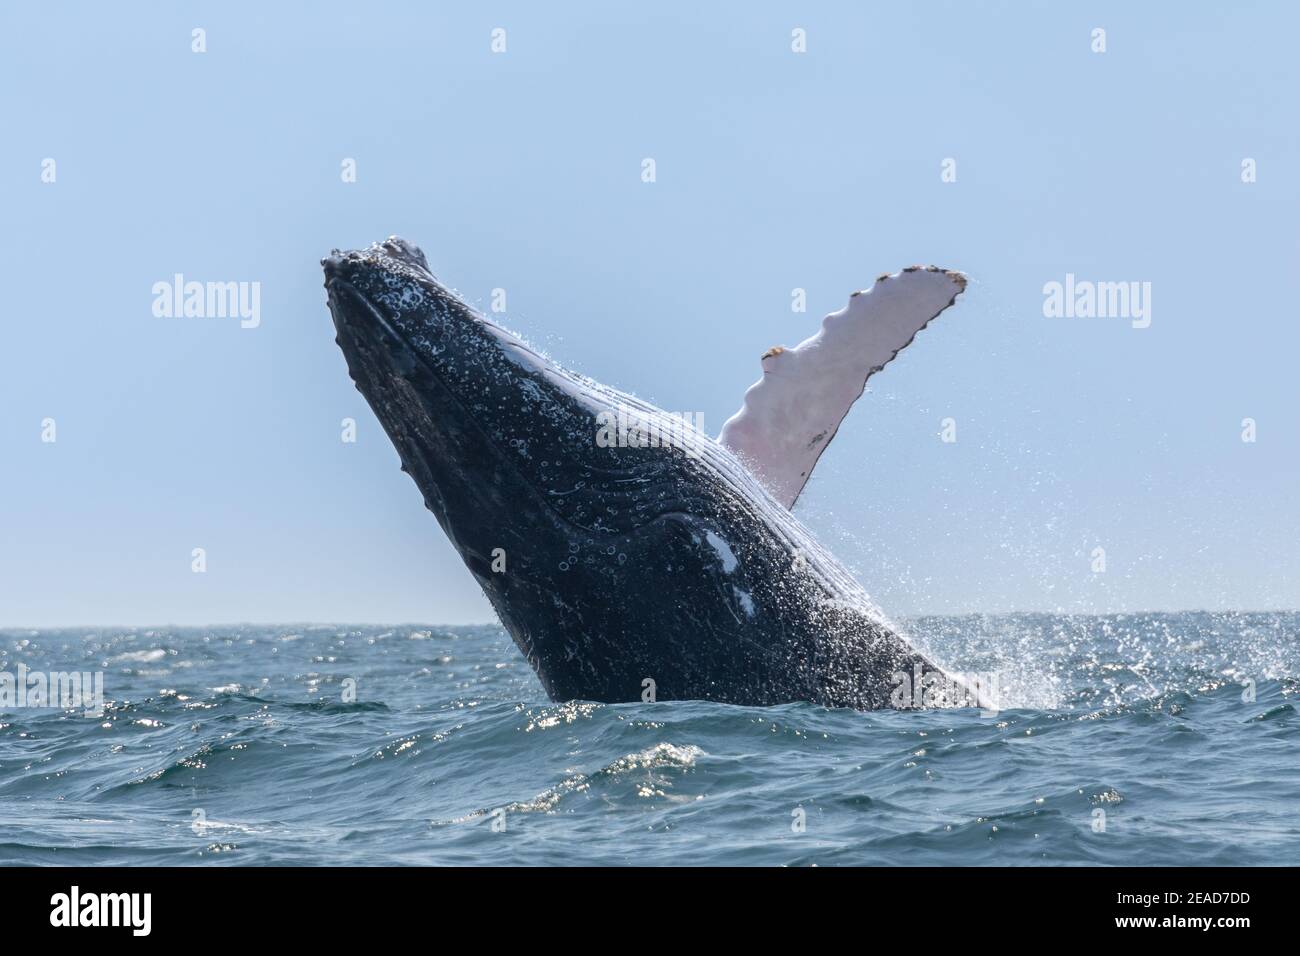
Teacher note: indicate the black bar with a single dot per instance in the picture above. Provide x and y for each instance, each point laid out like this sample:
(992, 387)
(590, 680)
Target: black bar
(334, 906)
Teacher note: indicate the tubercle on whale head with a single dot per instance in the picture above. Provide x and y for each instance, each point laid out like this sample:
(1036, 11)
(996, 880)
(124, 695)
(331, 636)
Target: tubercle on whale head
(394, 247)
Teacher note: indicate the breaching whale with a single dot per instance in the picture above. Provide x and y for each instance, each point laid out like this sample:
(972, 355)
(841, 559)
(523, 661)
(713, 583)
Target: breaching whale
(635, 569)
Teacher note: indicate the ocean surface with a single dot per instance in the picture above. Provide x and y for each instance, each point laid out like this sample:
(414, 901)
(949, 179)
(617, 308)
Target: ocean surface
(1141, 739)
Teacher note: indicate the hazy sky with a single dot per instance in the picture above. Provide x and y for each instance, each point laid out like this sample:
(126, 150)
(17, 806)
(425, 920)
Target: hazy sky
(775, 170)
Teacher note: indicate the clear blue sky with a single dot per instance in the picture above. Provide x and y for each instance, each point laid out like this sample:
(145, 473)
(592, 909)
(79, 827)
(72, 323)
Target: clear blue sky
(775, 170)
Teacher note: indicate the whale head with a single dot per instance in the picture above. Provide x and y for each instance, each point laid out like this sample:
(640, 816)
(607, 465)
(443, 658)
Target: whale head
(504, 444)
(481, 421)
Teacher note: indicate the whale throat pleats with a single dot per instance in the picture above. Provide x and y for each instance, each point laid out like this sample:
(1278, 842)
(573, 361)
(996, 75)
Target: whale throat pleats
(791, 414)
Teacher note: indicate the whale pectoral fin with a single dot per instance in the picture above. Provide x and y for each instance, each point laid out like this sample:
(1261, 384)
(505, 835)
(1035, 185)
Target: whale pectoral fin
(791, 414)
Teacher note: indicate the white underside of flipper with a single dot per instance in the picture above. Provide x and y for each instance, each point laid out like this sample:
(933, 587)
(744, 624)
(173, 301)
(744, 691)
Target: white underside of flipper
(791, 414)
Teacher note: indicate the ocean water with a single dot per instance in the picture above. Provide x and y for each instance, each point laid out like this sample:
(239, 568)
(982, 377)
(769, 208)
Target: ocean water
(1140, 739)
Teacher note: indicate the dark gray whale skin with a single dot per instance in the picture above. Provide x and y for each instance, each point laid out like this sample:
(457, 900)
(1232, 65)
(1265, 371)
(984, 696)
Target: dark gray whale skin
(623, 565)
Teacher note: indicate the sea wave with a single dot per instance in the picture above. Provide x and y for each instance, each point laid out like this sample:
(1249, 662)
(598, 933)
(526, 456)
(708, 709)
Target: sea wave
(1125, 739)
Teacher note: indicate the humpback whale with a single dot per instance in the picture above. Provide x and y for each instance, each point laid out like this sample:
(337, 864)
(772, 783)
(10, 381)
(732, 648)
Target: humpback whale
(635, 570)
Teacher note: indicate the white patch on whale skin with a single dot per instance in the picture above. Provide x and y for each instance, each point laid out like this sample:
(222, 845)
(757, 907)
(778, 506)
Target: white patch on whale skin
(791, 414)
(724, 551)
(746, 601)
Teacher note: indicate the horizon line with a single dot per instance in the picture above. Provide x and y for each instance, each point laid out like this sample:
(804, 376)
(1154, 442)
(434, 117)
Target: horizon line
(328, 624)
